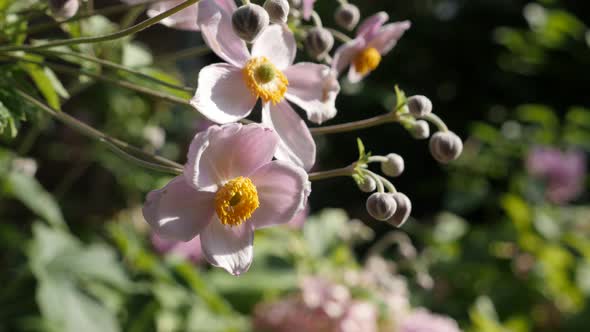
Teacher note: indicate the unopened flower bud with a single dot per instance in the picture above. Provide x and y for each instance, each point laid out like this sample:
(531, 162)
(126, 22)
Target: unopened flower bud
(420, 130)
(393, 166)
(368, 185)
(63, 9)
(278, 10)
(318, 42)
(347, 16)
(419, 106)
(445, 146)
(402, 213)
(381, 206)
(249, 21)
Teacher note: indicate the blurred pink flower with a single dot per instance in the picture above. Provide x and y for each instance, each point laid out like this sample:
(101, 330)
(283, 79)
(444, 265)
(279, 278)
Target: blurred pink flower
(307, 8)
(228, 92)
(564, 172)
(373, 39)
(190, 250)
(229, 188)
(421, 320)
(360, 316)
(321, 306)
(185, 19)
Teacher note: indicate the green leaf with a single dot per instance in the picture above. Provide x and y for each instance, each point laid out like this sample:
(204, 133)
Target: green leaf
(29, 192)
(44, 80)
(67, 271)
(7, 122)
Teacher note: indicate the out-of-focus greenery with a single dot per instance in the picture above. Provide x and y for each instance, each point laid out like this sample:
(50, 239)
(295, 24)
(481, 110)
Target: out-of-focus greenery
(490, 251)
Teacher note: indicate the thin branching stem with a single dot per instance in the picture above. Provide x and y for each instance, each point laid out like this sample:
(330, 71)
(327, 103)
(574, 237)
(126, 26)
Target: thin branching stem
(132, 153)
(108, 37)
(115, 66)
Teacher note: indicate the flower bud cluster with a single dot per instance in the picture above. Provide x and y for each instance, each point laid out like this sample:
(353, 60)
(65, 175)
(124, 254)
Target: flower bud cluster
(390, 206)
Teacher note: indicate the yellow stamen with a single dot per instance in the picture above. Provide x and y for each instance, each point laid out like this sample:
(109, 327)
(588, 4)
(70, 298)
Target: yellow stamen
(367, 60)
(236, 201)
(264, 80)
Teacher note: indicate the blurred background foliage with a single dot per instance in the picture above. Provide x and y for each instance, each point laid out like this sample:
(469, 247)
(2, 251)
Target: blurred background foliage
(487, 245)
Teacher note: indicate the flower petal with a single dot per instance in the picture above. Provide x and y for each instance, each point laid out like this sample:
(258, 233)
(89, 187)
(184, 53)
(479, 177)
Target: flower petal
(215, 25)
(230, 248)
(314, 88)
(354, 76)
(386, 38)
(296, 143)
(371, 25)
(277, 43)
(282, 189)
(345, 54)
(185, 19)
(223, 153)
(222, 95)
(178, 211)
(307, 9)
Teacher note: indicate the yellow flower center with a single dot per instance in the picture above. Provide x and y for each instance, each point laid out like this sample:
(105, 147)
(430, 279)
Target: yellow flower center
(236, 201)
(367, 60)
(264, 80)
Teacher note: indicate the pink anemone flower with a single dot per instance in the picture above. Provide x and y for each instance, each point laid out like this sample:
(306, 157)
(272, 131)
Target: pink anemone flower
(185, 19)
(230, 187)
(373, 40)
(227, 92)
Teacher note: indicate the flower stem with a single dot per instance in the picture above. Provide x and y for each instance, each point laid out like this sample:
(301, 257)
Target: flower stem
(116, 145)
(127, 85)
(356, 125)
(119, 34)
(80, 16)
(186, 53)
(339, 35)
(435, 120)
(114, 66)
(344, 171)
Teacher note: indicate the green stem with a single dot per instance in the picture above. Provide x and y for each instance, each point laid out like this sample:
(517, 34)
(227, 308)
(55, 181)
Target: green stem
(187, 53)
(163, 164)
(339, 35)
(120, 34)
(114, 66)
(80, 16)
(356, 125)
(124, 84)
(345, 171)
(435, 120)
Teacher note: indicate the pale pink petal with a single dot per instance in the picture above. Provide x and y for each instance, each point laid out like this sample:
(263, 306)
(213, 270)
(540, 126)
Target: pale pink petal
(386, 38)
(222, 95)
(282, 191)
(228, 247)
(307, 8)
(314, 88)
(371, 25)
(346, 53)
(299, 219)
(277, 43)
(178, 211)
(185, 19)
(228, 5)
(216, 29)
(224, 153)
(354, 76)
(296, 145)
